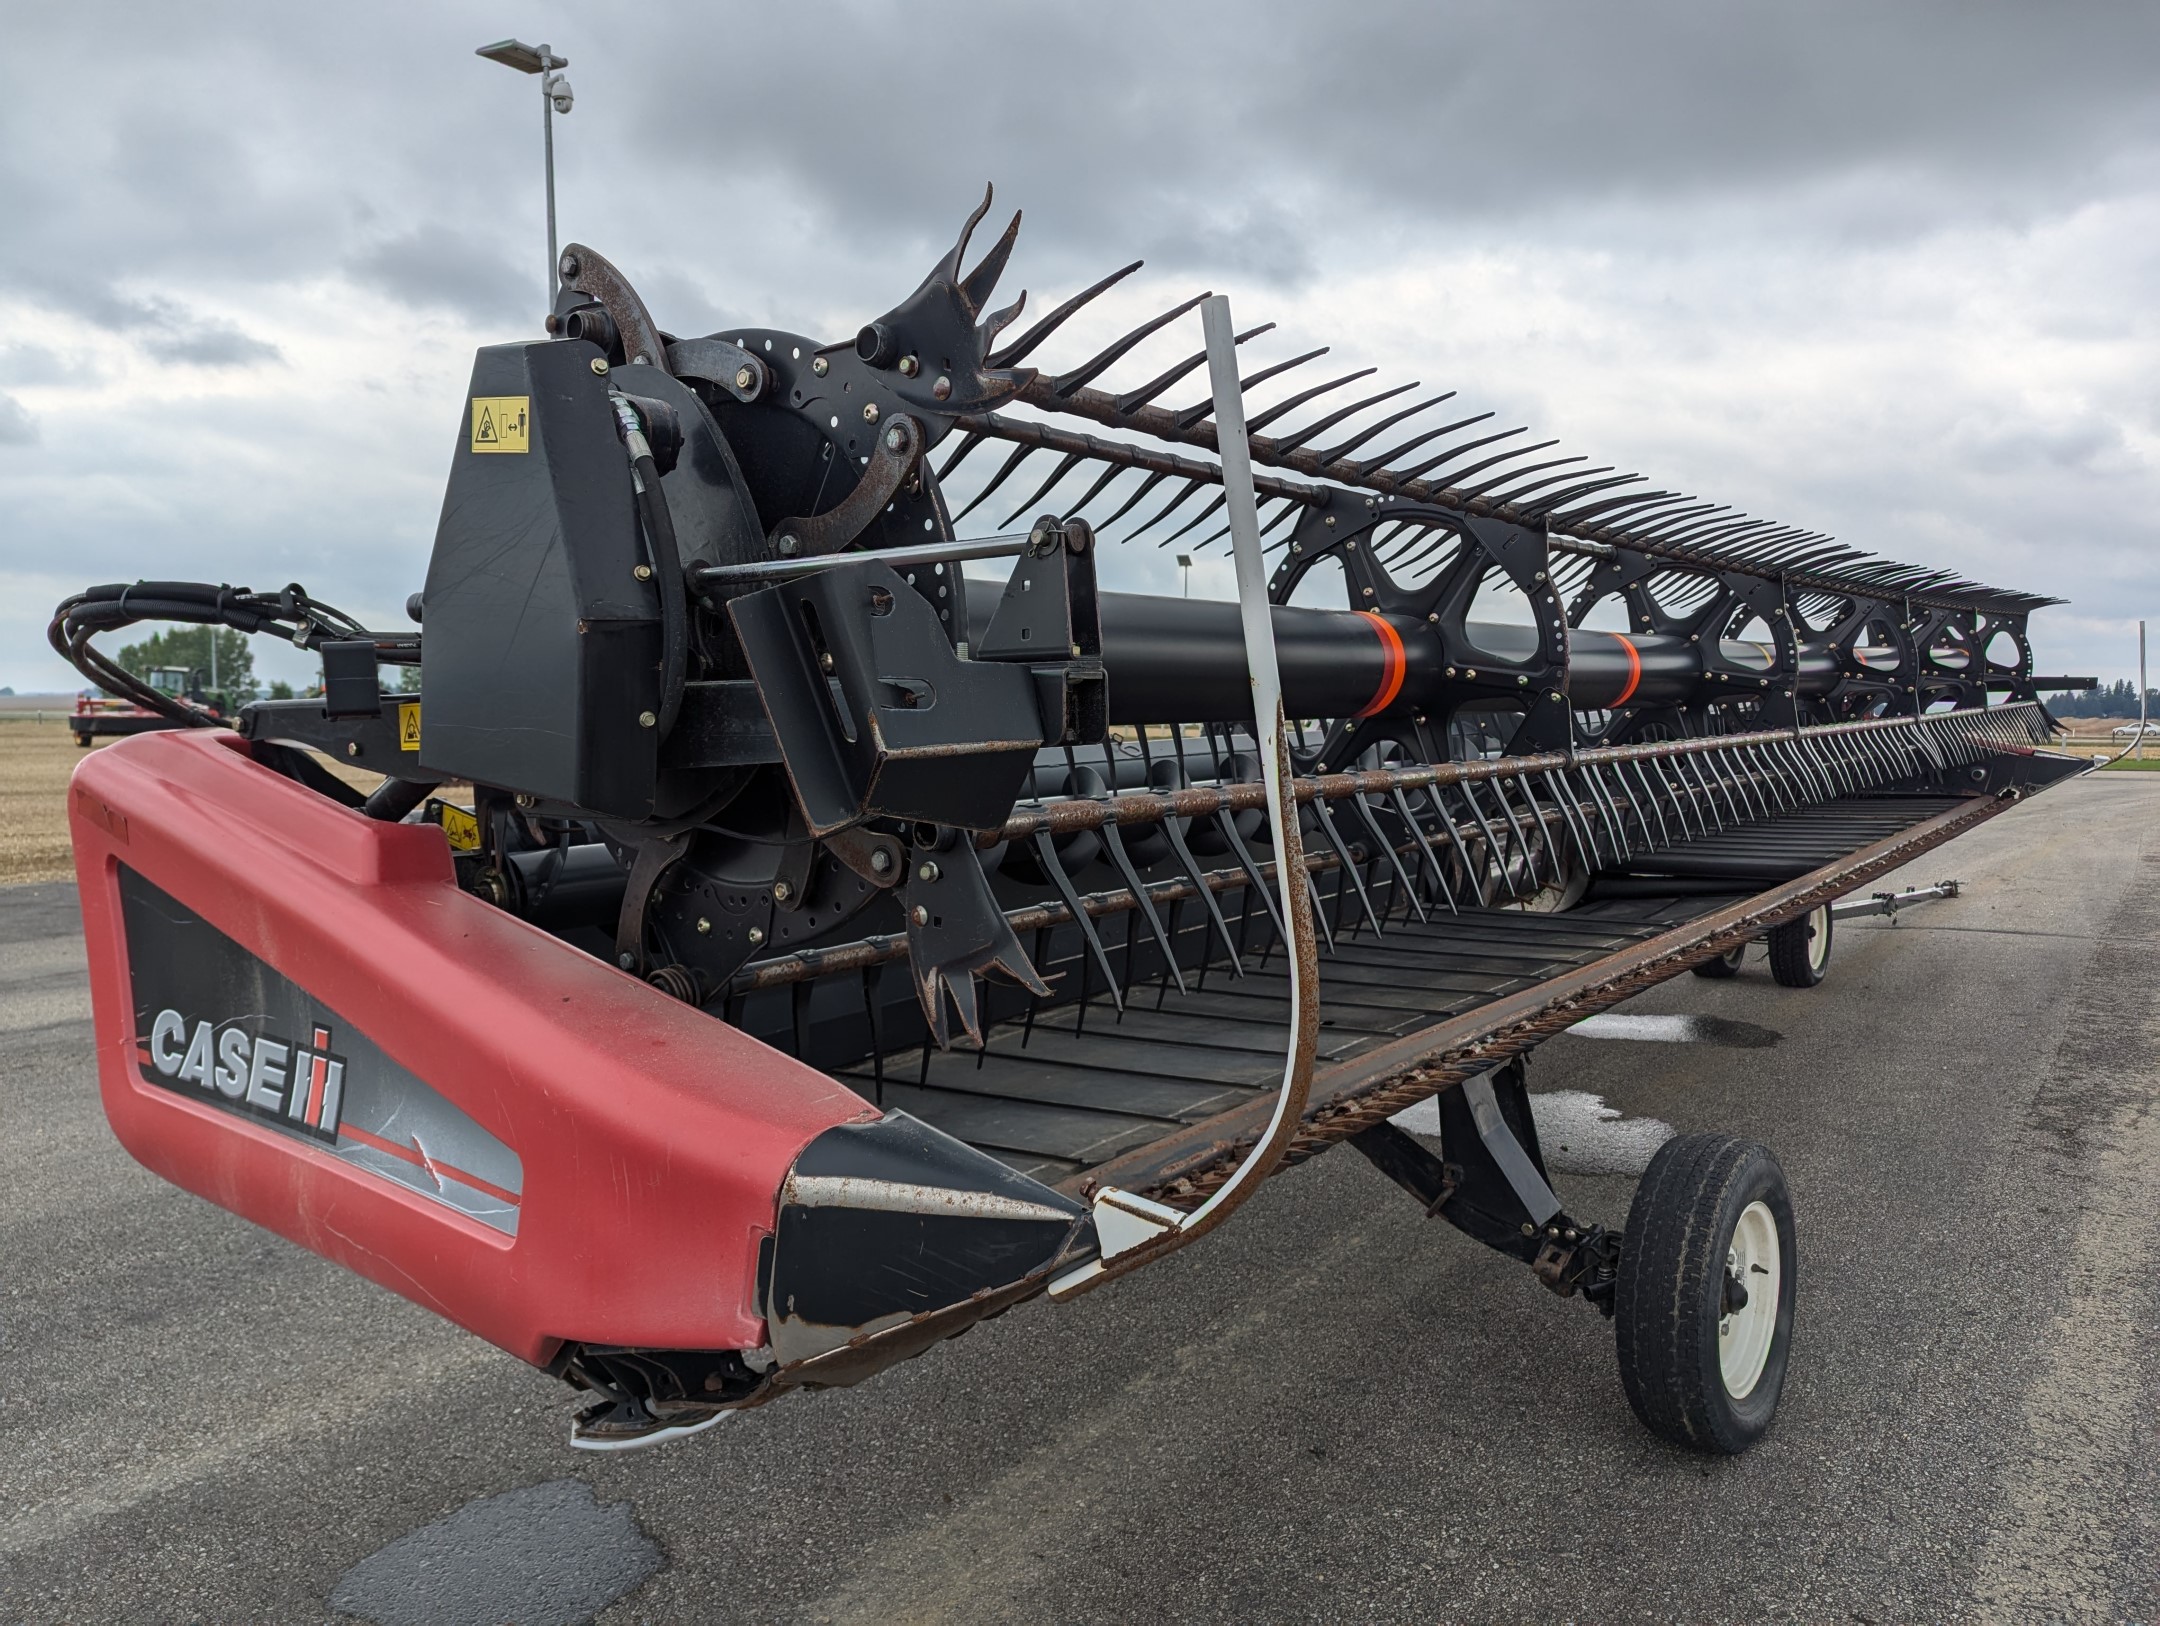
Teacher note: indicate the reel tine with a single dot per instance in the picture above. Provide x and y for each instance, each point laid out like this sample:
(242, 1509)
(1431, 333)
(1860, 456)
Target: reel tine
(1019, 456)
(1338, 453)
(1103, 360)
(1368, 465)
(1321, 426)
(1664, 835)
(1123, 860)
(1402, 875)
(1183, 853)
(1349, 865)
(1495, 848)
(1026, 343)
(1462, 851)
(1126, 507)
(968, 443)
(1227, 822)
(1201, 518)
(1147, 392)
(1199, 410)
(1065, 466)
(1498, 786)
(1046, 855)
(1110, 472)
(1254, 425)
(1542, 825)
(1425, 846)
(1571, 818)
(1167, 509)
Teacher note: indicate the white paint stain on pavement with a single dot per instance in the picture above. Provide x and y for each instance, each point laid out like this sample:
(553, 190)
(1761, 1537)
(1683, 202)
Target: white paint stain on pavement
(1676, 1030)
(1578, 1132)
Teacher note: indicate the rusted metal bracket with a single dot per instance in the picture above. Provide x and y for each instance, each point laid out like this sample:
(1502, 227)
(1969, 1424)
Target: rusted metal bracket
(898, 448)
(592, 273)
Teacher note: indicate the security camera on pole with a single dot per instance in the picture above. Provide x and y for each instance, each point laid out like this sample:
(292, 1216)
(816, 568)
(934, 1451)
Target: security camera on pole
(555, 97)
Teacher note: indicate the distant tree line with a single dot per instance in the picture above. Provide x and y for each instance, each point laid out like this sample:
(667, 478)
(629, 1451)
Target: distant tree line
(2117, 699)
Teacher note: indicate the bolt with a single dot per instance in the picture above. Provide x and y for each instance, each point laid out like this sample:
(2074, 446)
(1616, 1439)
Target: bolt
(880, 861)
(1433, 619)
(781, 891)
(1297, 547)
(626, 960)
(825, 661)
(646, 719)
(1554, 696)
(704, 927)
(787, 546)
(820, 366)
(1451, 671)
(1553, 1231)
(928, 872)
(1470, 672)
(895, 438)
(643, 573)
(570, 266)
(599, 365)
(524, 798)
(1329, 522)
(1540, 576)
(921, 917)
(909, 366)
(744, 378)
(942, 388)
(869, 412)
(1521, 682)
(1349, 547)
(1368, 592)
(1528, 1229)
(756, 934)
(352, 748)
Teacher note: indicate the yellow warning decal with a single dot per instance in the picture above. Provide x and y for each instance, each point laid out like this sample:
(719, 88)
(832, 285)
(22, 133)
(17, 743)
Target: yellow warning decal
(460, 827)
(502, 423)
(408, 725)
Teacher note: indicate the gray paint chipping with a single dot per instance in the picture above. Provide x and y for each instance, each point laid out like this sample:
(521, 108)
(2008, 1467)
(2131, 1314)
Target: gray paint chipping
(543, 1555)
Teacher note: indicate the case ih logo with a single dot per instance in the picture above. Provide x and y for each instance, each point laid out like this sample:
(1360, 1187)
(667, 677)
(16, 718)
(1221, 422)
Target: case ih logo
(293, 1086)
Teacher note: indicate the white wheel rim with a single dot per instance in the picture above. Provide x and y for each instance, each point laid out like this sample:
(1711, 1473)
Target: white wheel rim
(1745, 1336)
(1818, 939)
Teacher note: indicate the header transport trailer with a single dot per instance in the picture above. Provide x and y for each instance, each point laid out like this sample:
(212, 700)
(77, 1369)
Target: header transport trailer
(842, 947)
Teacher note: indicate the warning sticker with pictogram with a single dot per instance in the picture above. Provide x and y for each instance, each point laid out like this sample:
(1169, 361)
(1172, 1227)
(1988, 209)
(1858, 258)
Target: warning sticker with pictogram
(502, 423)
(408, 725)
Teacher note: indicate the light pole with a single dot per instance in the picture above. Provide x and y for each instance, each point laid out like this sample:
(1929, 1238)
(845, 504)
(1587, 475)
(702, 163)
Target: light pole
(555, 97)
(1184, 564)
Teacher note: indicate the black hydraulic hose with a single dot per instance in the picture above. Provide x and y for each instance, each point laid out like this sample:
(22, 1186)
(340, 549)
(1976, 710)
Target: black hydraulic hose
(289, 613)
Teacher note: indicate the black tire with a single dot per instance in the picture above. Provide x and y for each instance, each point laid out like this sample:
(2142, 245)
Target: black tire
(1800, 949)
(1671, 1301)
(1725, 965)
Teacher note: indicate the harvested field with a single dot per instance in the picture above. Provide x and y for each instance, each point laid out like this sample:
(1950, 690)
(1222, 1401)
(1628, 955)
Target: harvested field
(35, 761)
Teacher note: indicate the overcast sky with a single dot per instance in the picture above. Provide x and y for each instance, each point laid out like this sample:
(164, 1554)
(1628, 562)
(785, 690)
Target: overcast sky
(1887, 271)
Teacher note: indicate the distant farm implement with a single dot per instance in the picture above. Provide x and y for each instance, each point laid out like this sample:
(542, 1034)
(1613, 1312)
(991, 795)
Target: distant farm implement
(865, 923)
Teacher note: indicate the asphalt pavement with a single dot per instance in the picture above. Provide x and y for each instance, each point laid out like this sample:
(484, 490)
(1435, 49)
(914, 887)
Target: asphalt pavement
(1332, 1410)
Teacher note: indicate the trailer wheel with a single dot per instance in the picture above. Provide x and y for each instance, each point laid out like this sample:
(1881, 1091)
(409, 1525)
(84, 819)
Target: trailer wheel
(1703, 1307)
(82, 742)
(1725, 965)
(1800, 949)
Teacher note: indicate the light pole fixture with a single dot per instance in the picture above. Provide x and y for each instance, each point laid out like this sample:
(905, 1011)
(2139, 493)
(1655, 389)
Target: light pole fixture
(555, 97)
(1184, 564)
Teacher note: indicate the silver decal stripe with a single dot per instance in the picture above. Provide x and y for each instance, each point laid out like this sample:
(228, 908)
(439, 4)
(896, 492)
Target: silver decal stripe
(898, 1197)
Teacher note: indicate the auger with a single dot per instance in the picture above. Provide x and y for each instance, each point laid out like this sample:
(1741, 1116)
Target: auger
(789, 927)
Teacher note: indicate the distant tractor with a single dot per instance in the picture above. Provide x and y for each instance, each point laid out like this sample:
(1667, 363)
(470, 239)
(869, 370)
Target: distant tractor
(98, 713)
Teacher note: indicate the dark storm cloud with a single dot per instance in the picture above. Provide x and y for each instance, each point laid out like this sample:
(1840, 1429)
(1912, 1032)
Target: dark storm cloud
(442, 268)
